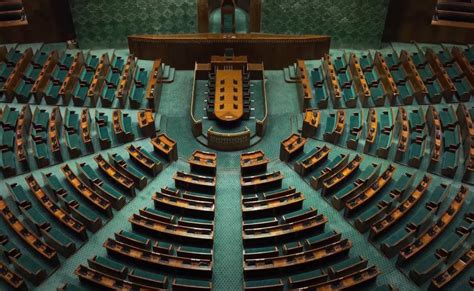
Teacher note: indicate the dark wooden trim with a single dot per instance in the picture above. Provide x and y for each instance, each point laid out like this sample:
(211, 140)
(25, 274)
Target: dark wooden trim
(182, 51)
(48, 21)
(409, 20)
(255, 15)
(203, 16)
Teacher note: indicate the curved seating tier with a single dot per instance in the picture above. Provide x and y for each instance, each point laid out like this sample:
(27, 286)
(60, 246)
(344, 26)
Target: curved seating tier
(203, 162)
(44, 250)
(272, 203)
(14, 280)
(402, 209)
(262, 182)
(255, 267)
(312, 160)
(95, 199)
(116, 176)
(366, 178)
(372, 129)
(253, 162)
(193, 182)
(291, 146)
(356, 202)
(298, 225)
(333, 181)
(62, 216)
(435, 230)
(165, 146)
(304, 87)
(145, 160)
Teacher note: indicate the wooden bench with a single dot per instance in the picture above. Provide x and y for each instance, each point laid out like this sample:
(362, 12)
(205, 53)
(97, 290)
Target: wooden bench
(125, 80)
(291, 146)
(305, 91)
(32, 240)
(402, 209)
(262, 182)
(54, 210)
(153, 90)
(370, 192)
(146, 123)
(193, 182)
(145, 160)
(203, 162)
(253, 162)
(372, 129)
(333, 181)
(273, 203)
(122, 126)
(256, 267)
(335, 127)
(95, 199)
(165, 146)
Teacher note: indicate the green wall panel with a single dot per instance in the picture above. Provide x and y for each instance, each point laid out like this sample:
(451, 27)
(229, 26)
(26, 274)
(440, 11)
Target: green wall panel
(356, 23)
(106, 23)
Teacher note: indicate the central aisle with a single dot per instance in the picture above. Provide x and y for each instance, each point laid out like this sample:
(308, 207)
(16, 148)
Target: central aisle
(228, 269)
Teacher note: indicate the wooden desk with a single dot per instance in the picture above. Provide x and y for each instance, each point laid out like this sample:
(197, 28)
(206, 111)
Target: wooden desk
(229, 95)
(156, 260)
(253, 162)
(197, 183)
(203, 162)
(291, 146)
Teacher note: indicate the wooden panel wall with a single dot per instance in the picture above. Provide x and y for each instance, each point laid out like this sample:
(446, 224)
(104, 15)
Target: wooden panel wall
(409, 20)
(275, 51)
(48, 21)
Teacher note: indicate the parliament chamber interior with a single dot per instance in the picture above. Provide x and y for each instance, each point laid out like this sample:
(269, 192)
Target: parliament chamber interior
(236, 145)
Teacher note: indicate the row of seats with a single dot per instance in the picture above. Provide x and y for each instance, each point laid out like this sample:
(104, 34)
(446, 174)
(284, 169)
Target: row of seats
(464, 116)
(283, 239)
(70, 214)
(203, 162)
(46, 129)
(253, 162)
(335, 126)
(291, 146)
(345, 83)
(58, 77)
(426, 76)
(446, 139)
(172, 239)
(403, 220)
(451, 75)
(304, 84)
(446, 126)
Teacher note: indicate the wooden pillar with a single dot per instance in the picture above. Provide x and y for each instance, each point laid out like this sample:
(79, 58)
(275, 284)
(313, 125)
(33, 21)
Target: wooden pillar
(203, 16)
(255, 15)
